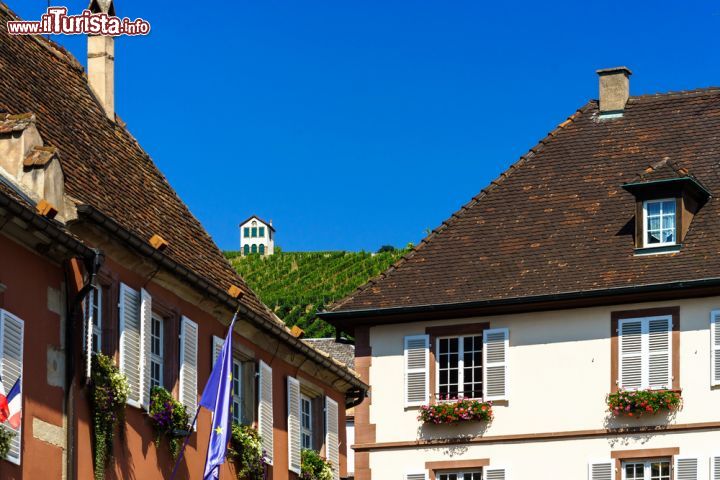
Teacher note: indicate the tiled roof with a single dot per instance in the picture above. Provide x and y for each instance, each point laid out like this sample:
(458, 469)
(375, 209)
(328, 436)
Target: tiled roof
(103, 164)
(558, 221)
(340, 351)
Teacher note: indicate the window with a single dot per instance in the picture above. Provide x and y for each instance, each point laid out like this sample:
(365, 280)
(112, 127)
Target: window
(645, 353)
(261, 232)
(460, 367)
(93, 315)
(659, 222)
(156, 352)
(246, 232)
(254, 232)
(474, 475)
(261, 249)
(646, 470)
(253, 249)
(237, 392)
(306, 433)
(246, 249)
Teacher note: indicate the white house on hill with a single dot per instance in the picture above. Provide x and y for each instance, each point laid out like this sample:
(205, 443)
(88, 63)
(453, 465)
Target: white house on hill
(257, 236)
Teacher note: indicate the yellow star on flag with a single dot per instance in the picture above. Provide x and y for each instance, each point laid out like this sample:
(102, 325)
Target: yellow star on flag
(218, 430)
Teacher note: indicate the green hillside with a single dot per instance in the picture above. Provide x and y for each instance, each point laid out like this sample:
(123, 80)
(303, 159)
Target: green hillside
(298, 284)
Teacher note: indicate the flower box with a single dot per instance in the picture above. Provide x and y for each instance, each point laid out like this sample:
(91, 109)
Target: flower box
(456, 411)
(640, 402)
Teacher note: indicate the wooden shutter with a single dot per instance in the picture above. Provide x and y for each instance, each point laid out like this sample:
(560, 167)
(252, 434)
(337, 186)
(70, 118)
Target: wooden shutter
(88, 332)
(416, 476)
(631, 354)
(12, 331)
(715, 467)
(417, 358)
(293, 416)
(332, 437)
(687, 468)
(495, 473)
(188, 365)
(659, 358)
(145, 326)
(601, 470)
(216, 349)
(715, 348)
(495, 361)
(130, 352)
(265, 410)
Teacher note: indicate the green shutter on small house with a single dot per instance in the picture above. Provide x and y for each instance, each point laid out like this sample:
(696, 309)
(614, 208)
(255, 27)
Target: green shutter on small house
(262, 231)
(246, 249)
(247, 232)
(254, 249)
(254, 232)
(262, 249)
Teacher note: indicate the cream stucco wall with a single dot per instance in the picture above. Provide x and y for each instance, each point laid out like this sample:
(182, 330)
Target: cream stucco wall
(559, 376)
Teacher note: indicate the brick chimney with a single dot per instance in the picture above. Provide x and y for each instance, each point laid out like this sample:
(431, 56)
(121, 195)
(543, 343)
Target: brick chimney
(614, 90)
(101, 61)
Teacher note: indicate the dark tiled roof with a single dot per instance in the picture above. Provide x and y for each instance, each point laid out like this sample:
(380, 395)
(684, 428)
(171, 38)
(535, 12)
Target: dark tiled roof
(104, 166)
(342, 352)
(558, 221)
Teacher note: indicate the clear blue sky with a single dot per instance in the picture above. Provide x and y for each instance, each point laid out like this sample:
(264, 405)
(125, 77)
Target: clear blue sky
(354, 124)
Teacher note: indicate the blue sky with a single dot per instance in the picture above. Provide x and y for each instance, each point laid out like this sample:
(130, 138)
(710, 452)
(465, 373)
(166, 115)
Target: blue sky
(354, 124)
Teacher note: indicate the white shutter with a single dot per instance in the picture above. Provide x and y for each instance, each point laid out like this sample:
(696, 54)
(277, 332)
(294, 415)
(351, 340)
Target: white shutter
(495, 473)
(416, 476)
(265, 410)
(293, 414)
(417, 358)
(601, 470)
(145, 326)
(88, 331)
(715, 467)
(687, 468)
(188, 365)
(659, 358)
(715, 348)
(495, 363)
(130, 353)
(332, 437)
(217, 348)
(11, 353)
(630, 333)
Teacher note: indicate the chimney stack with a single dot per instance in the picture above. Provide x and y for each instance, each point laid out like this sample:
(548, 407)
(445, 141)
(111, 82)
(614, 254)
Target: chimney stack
(101, 61)
(614, 90)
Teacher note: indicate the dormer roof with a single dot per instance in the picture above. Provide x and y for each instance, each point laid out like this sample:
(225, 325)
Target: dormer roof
(666, 178)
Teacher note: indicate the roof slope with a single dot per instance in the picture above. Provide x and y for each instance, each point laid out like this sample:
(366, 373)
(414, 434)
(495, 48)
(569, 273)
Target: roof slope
(342, 352)
(559, 221)
(103, 164)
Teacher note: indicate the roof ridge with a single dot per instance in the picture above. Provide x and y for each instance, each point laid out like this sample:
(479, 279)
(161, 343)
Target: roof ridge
(532, 152)
(694, 91)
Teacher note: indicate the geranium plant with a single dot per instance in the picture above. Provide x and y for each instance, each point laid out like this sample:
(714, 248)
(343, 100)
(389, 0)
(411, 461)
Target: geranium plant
(169, 418)
(108, 391)
(246, 452)
(6, 436)
(637, 403)
(456, 411)
(314, 467)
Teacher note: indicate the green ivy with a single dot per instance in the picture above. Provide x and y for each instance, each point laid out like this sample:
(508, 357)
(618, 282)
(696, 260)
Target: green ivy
(169, 418)
(6, 436)
(108, 392)
(246, 452)
(314, 467)
(637, 403)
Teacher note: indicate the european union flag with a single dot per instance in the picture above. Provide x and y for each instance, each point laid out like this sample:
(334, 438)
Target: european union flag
(216, 398)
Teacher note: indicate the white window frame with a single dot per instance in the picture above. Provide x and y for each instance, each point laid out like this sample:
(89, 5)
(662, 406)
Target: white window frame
(460, 475)
(237, 398)
(306, 432)
(646, 229)
(461, 365)
(646, 466)
(645, 353)
(157, 358)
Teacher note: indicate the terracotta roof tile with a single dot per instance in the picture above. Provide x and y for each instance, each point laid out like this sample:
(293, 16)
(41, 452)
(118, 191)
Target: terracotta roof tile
(557, 221)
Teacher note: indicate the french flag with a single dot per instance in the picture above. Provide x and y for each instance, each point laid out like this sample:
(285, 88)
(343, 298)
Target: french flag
(4, 409)
(14, 402)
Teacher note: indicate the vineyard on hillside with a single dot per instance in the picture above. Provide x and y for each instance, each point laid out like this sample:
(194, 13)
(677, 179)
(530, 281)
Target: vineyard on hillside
(295, 285)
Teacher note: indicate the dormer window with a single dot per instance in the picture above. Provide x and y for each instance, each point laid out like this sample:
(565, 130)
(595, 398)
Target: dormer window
(667, 199)
(660, 221)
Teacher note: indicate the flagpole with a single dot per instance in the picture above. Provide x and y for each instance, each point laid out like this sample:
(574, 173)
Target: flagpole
(187, 439)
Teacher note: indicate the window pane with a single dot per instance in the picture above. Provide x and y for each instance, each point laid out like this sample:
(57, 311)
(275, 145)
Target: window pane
(653, 208)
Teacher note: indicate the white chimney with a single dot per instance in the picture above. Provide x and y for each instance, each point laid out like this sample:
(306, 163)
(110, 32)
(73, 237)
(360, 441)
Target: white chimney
(614, 90)
(101, 61)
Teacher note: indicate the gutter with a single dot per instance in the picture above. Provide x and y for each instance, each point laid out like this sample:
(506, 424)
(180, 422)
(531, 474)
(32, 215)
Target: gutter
(517, 301)
(208, 288)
